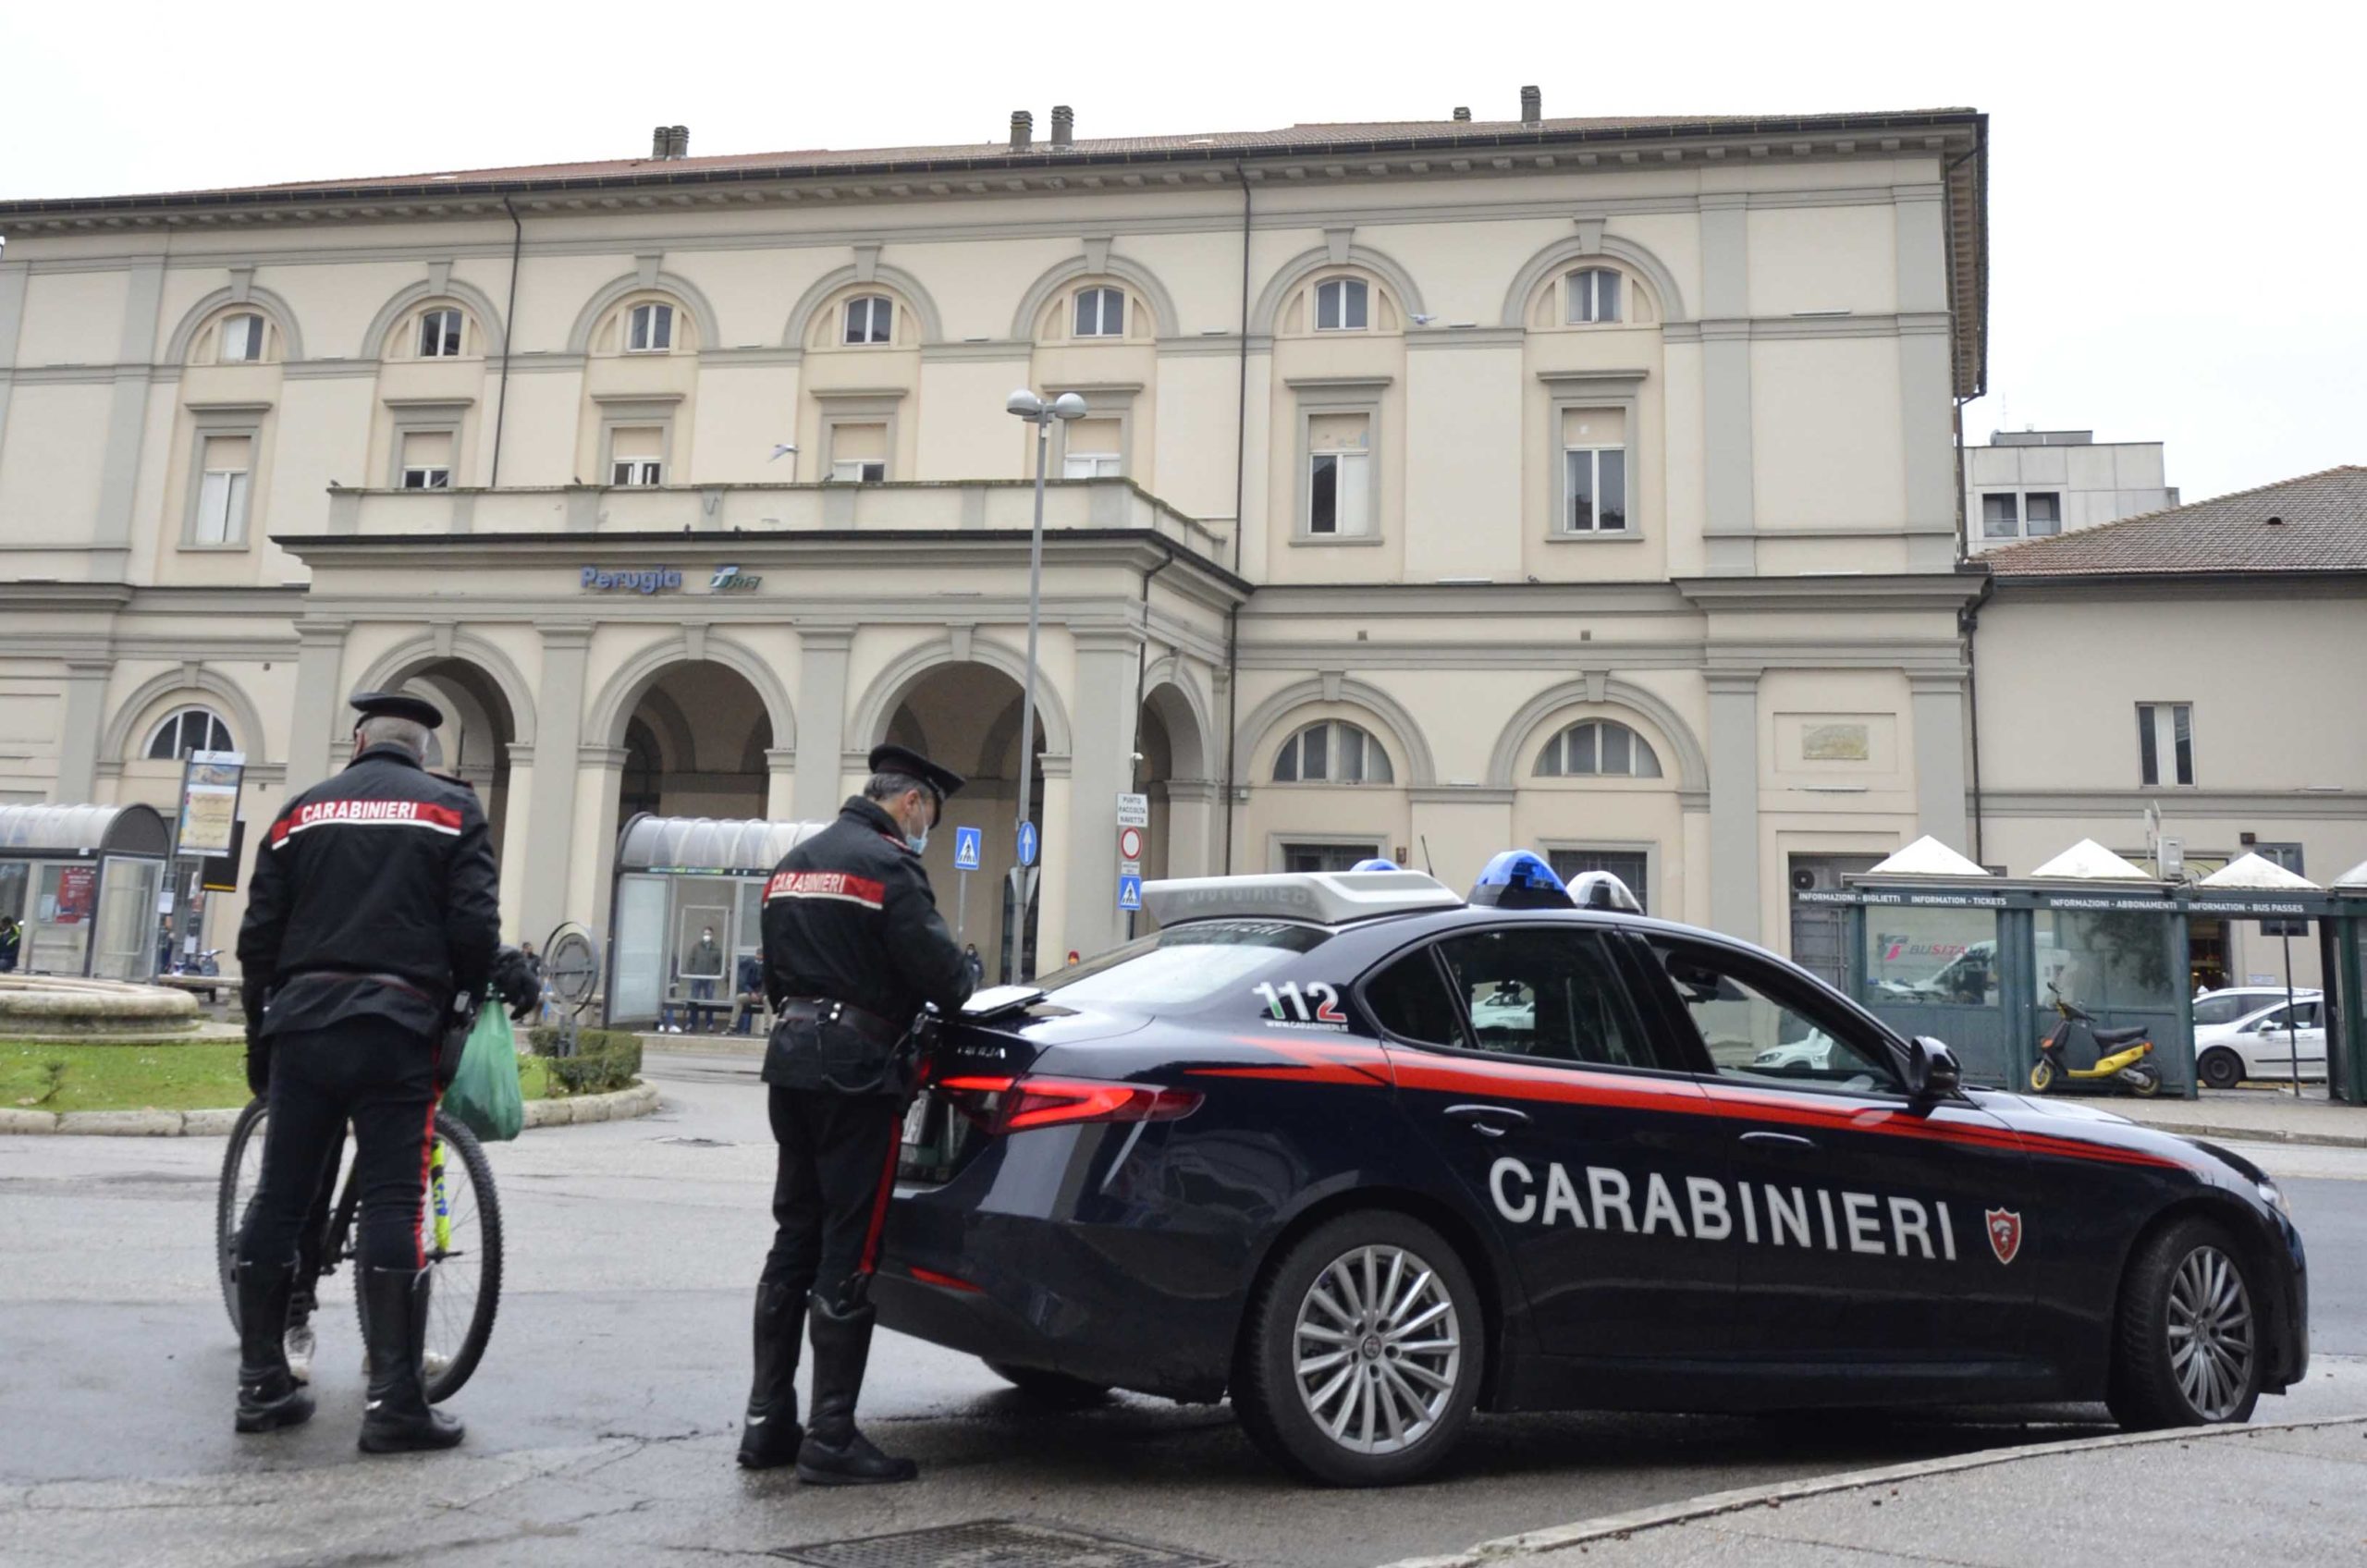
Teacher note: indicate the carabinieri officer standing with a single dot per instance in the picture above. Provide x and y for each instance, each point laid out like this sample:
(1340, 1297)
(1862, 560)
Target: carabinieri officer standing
(853, 946)
(373, 905)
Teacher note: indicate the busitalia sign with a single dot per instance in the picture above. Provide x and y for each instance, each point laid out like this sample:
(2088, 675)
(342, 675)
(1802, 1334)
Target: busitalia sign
(726, 579)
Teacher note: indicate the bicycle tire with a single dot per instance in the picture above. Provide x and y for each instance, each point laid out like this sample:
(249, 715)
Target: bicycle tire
(463, 1364)
(227, 1223)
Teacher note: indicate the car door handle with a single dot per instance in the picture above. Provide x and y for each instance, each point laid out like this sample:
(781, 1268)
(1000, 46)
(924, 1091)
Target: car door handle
(1489, 1120)
(1779, 1140)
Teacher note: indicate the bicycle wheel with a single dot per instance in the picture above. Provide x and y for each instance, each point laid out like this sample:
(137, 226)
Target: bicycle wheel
(241, 1176)
(461, 1232)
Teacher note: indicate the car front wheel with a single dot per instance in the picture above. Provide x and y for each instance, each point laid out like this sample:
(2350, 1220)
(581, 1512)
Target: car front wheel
(2188, 1348)
(1362, 1352)
(2221, 1068)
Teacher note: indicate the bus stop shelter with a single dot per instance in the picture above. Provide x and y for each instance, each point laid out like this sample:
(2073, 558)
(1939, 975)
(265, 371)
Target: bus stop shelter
(83, 880)
(678, 876)
(2342, 957)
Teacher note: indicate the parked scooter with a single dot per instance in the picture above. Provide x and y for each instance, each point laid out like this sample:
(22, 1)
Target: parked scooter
(2114, 1057)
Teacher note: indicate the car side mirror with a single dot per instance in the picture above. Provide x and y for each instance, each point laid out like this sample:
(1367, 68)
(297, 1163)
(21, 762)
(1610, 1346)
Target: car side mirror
(1932, 1072)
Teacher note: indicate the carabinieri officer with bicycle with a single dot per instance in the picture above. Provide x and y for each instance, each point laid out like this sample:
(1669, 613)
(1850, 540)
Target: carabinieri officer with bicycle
(371, 909)
(853, 946)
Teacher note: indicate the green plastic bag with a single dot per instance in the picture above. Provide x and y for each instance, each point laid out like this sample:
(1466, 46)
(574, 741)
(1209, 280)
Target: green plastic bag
(484, 1093)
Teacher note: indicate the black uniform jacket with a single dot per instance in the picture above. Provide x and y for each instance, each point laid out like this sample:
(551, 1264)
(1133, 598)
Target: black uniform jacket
(375, 894)
(849, 918)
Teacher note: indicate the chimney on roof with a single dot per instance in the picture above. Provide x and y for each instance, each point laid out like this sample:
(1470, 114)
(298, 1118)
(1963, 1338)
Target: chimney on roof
(657, 141)
(1063, 126)
(1022, 130)
(1463, 112)
(678, 142)
(1532, 107)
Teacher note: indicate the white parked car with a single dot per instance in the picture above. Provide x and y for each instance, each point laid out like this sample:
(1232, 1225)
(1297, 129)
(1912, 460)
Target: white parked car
(2233, 1004)
(2269, 1042)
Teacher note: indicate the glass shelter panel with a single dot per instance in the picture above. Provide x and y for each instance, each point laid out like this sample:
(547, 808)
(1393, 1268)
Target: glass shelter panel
(1935, 970)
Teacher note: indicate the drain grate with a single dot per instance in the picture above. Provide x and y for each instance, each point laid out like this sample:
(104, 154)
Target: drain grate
(993, 1543)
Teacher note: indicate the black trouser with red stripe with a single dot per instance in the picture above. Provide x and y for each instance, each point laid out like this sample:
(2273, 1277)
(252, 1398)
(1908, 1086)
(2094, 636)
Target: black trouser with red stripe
(837, 1166)
(382, 1079)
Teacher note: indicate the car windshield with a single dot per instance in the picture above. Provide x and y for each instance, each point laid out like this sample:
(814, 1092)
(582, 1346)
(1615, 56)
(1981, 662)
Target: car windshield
(2224, 1009)
(1184, 967)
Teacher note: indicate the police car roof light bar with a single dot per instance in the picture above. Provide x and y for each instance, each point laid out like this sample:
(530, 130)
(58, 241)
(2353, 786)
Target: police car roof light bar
(1376, 863)
(1600, 890)
(1519, 879)
(1325, 897)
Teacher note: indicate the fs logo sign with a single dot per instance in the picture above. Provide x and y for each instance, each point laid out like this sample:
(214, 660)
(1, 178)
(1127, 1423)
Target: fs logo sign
(2005, 1233)
(731, 579)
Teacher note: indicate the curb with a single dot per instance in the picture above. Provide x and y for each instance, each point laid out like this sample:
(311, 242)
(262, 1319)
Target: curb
(2259, 1134)
(622, 1104)
(1610, 1526)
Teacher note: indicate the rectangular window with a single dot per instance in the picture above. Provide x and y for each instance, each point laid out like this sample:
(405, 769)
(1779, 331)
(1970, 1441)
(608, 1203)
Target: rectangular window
(427, 460)
(2165, 742)
(1629, 865)
(2001, 517)
(859, 453)
(2042, 512)
(637, 456)
(1594, 295)
(1092, 449)
(242, 339)
(1326, 857)
(649, 329)
(1339, 476)
(1100, 312)
(2289, 857)
(1339, 305)
(439, 335)
(1550, 993)
(1594, 473)
(222, 490)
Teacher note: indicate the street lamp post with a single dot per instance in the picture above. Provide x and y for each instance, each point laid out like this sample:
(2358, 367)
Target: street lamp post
(1027, 405)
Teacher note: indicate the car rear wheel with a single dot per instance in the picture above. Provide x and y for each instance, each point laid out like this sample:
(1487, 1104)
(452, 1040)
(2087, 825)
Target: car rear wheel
(2221, 1067)
(2188, 1348)
(1055, 1388)
(1363, 1353)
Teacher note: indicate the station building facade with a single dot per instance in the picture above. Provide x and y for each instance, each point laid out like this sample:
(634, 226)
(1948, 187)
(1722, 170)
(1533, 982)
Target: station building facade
(1589, 485)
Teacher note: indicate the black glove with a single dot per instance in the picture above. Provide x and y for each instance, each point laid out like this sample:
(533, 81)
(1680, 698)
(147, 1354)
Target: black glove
(515, 981)
(257, 1063)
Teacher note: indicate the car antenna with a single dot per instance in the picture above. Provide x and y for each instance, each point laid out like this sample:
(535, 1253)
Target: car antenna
(1426, 866)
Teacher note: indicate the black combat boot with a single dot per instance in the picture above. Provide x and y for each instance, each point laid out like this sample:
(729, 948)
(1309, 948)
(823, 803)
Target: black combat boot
(397, 1418)
(835, 1455)
(269, 1397)
(771, 1434)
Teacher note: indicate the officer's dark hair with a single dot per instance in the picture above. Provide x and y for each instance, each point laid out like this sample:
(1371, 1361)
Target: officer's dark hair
(888, 786)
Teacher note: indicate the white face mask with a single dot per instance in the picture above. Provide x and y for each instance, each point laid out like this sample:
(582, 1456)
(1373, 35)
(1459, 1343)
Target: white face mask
(918, 839)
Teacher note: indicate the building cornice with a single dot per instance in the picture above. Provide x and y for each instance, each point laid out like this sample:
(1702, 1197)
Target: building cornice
(1915, 591)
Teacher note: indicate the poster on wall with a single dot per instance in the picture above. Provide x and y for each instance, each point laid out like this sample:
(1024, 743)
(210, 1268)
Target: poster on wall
(209, 812)
(78, 894)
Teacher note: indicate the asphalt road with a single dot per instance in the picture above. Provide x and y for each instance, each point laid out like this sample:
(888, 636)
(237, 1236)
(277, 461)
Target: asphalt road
(603, 1421)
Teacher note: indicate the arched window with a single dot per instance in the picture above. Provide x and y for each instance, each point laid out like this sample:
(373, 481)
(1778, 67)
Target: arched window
(1101, 312)
(1591, 296)
(1331, 751)
(649, 328)
(440, 331)
(870, 318)
(1341, 305)
(186, 731)
(241, 335)
(1598, 748)
(243, 339)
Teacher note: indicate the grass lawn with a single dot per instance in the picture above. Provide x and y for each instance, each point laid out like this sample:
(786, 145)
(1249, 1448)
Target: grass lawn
(182, 1077)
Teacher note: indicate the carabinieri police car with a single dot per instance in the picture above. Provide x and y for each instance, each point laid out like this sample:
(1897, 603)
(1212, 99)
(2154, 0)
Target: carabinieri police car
(1365, 1155)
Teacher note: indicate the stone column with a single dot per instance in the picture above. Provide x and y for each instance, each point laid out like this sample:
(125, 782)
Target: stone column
(550, 831)
(516, 831)
(78, 741)
(1734, 802)
(1727, 480)
(315, 723)
(821, 720)
(780, 782)
(1192, 826)
(1938, 699)
(598, 781)
(1102, 708)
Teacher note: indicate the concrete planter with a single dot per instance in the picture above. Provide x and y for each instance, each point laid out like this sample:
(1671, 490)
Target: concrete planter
(622, 1105)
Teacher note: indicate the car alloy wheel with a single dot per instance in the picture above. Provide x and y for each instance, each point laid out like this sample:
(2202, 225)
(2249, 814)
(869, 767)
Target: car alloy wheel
(1378, 1345)
(2213, 1333)
(2222, 1069)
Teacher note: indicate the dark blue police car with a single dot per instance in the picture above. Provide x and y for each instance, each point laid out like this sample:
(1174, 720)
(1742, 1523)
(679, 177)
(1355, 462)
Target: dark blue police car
(1365, 1156)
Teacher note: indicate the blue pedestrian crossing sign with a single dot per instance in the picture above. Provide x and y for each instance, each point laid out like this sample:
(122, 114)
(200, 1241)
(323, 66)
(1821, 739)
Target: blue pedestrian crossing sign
(1130, 892)
(968, 845)
(1027, 844)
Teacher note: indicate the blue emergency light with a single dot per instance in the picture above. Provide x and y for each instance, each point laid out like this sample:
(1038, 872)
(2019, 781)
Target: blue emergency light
(1377, 863)
(1519, 879)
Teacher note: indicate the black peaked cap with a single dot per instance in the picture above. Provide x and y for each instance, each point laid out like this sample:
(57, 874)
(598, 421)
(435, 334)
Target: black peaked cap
(394, 704)
(942, 782)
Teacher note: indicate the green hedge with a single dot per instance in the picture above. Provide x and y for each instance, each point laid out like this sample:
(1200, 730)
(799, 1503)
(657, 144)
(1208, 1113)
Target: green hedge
(604, 1058)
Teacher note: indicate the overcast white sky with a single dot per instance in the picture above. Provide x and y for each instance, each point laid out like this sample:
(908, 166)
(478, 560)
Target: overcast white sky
(2177, 215)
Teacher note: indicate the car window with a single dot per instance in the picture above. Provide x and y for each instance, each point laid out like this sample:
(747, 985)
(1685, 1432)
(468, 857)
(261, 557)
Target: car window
(1548, 992)
(2223, 1010)
(1410, 1001)
(1761, 1027)
(1185, 965)
(2300, 1015)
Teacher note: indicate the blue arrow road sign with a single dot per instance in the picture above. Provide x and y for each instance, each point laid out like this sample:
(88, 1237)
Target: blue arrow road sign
(1130, 892)
(1027, 844)
(968, 843)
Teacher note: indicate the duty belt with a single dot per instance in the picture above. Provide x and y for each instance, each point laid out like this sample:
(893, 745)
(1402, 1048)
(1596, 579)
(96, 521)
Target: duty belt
(822, 1009)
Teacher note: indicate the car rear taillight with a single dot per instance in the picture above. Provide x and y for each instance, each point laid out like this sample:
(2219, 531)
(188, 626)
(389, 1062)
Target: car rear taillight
(1022, 1105)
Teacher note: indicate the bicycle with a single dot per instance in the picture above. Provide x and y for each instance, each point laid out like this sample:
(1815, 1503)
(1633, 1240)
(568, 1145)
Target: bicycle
(463, 1223)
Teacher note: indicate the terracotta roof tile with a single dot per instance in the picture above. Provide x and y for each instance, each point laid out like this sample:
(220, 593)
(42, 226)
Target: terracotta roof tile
(2317, 522)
